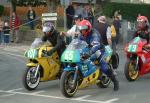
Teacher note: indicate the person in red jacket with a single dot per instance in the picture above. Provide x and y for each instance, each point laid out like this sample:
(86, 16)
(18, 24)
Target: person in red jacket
(14, 26)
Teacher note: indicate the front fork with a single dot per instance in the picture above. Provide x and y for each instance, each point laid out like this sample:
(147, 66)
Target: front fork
(36, 72)
(75, 75)
(137, 62)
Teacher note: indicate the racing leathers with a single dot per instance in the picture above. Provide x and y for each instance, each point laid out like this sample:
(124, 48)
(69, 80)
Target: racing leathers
(96, 52)
(57, 42)
(143, 33)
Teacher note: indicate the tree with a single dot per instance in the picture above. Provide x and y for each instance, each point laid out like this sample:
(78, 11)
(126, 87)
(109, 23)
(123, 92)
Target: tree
(52, 4)
(13, 5)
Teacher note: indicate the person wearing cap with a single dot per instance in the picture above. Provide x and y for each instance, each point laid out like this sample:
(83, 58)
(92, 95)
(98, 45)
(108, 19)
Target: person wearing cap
(54, 37)
(104, 29)
(74, 31)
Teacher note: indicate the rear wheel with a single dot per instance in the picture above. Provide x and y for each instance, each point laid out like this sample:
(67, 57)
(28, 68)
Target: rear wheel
(29, 81)
(115, 60)
(104, 79)
(67, 85)
(130, 70)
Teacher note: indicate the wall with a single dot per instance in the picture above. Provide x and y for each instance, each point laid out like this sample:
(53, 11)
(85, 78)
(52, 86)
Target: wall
(22, 11)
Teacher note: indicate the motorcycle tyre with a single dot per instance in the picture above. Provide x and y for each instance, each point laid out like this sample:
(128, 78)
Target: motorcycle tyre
(24, 79)
(126, 72)
(63, 79)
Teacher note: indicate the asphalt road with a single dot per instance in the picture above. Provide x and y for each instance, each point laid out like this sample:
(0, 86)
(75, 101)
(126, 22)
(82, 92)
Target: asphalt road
(12, 66)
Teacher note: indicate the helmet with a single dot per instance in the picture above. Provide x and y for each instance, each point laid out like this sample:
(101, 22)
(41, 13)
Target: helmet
(48, 27)
(142, 22)
(77, 17)
(85, 27)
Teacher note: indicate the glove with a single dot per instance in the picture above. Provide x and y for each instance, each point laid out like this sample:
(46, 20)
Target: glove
(49, 53)
(98, 53)
(86, 55)
(44, 53)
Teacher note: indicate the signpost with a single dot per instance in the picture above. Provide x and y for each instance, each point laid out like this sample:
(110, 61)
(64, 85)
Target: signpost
(49, 17)
(65, 3)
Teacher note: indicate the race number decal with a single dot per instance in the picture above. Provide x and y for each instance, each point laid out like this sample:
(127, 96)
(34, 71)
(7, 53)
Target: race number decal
(69, 55)
(32, 53)
(132, 48)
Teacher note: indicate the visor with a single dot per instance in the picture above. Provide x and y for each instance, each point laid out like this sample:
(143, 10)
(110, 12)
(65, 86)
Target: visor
(83, 27)
(46, 29)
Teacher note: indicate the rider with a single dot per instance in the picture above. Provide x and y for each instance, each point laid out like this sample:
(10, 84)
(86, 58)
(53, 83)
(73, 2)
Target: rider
(142, 28)
(54, 37)
(92, 37)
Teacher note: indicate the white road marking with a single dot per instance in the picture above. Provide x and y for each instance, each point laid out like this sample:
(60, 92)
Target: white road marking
(38, 92)
(82, 97)
(14, 90)
(111, 100)
(63, 98)
(12, 54)
(7, 95)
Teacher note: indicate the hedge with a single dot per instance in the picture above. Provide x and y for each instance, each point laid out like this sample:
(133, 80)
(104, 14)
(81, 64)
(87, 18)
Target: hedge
(128, 11)
(1, 10)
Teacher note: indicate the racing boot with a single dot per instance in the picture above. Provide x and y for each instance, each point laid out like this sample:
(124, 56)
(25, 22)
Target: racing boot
(113, 79)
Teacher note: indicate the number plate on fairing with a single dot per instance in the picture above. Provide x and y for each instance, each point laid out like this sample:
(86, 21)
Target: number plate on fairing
(132, 48)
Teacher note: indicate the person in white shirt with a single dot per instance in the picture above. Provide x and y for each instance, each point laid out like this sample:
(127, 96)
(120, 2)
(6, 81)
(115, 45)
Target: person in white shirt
(74, 31)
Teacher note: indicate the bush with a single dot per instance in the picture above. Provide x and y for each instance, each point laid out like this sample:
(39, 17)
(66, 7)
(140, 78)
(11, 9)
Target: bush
(128, 11)
(1, 10)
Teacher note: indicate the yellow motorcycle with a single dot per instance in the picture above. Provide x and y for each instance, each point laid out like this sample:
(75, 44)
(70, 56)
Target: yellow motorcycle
(39, 68)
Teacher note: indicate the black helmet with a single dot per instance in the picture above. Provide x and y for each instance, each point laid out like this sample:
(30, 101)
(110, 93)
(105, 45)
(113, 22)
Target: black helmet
(77, 17)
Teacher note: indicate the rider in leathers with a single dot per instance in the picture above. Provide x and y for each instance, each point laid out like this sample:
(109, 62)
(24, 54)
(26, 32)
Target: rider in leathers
(54, 37)
(92, 37)
(142, 28)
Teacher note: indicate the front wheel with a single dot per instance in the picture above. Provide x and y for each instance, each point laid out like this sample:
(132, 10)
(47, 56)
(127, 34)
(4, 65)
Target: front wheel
(130, 70)
(67, 84)
(30, 82)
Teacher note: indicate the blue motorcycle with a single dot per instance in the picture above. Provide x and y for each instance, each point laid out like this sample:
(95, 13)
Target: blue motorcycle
(79, 72)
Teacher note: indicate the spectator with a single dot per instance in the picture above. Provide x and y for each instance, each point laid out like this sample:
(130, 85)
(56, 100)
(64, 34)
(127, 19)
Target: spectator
(91, 15)
(14, 26)
(104, 29)
(79, 11)
(113, 37)
(31, 15)
(1, 28)
(117, 25)
(6, 30)
(85, 12)
(74, 31)
(70, 13)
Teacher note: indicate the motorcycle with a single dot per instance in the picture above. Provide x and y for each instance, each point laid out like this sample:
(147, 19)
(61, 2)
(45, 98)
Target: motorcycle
(77, 73)
(39, 68)
(138, 59)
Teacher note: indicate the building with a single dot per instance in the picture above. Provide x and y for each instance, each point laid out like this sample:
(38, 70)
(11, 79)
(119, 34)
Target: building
(4, 3)
(83, 1)
(132, 1)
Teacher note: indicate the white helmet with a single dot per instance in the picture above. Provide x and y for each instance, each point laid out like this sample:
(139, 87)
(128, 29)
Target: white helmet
(48, 27)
